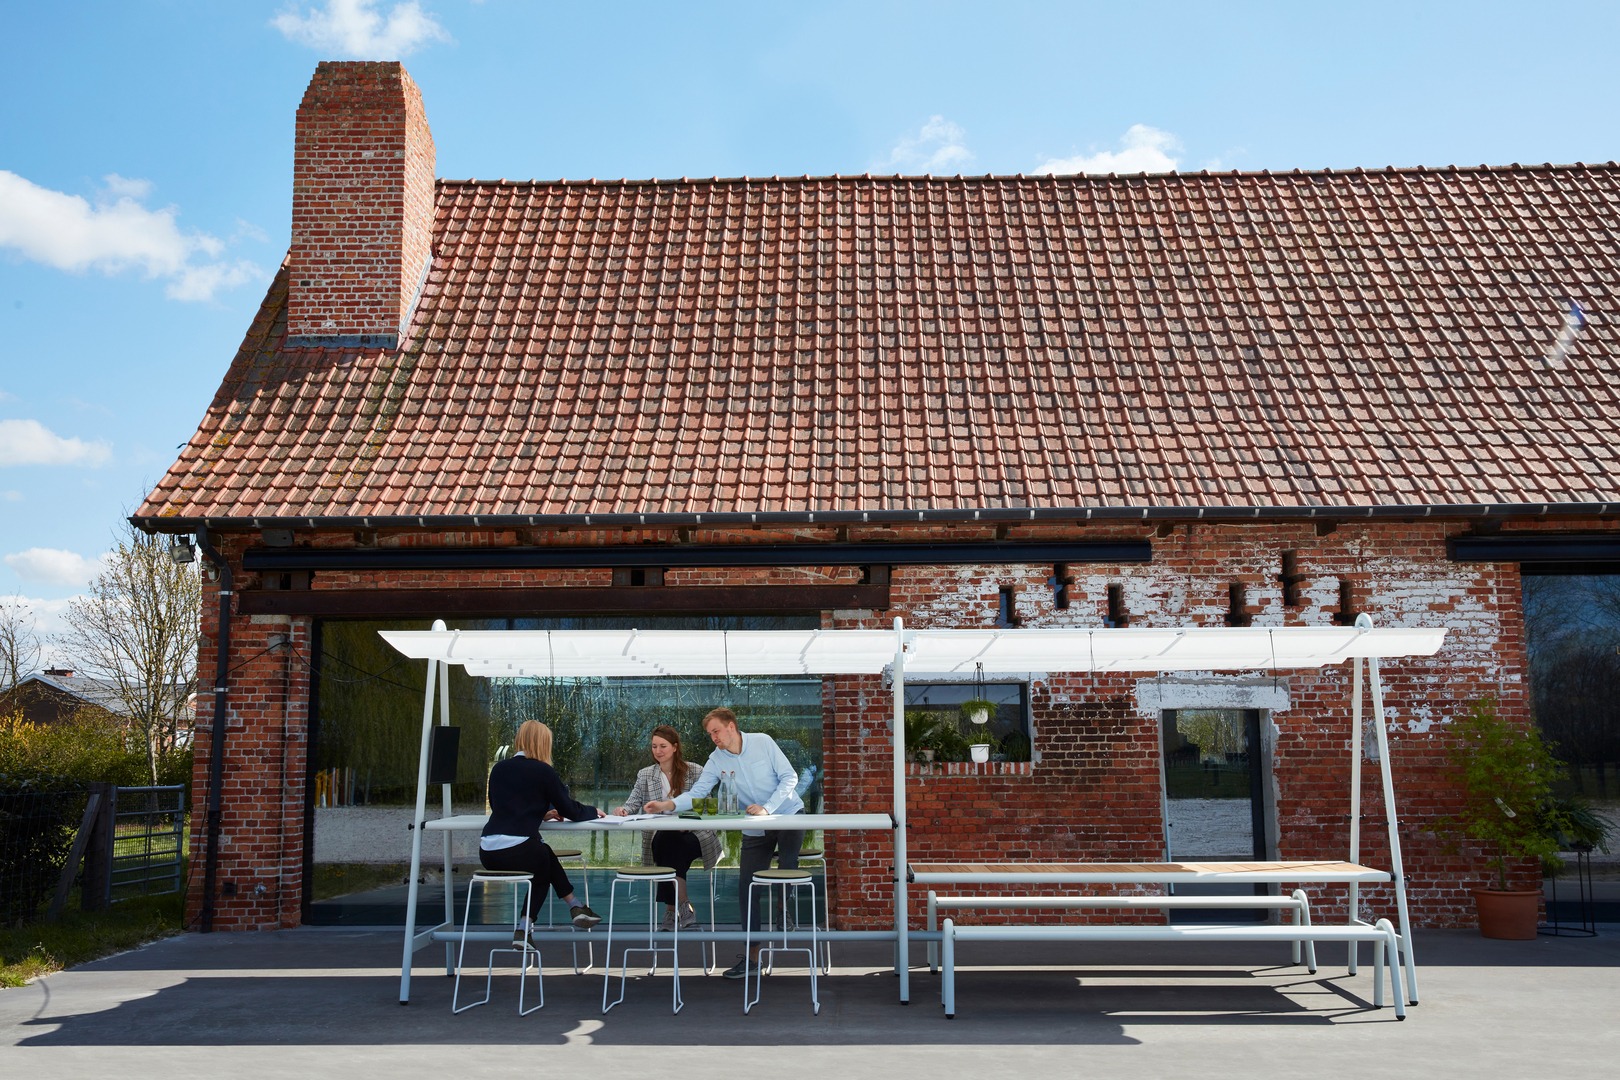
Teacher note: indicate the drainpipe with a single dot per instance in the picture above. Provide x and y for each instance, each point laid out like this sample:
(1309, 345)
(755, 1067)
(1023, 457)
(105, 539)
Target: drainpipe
(216, 759)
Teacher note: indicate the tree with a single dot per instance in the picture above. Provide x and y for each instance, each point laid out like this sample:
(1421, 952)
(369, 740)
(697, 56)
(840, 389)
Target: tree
(136, 628)
(19, 641)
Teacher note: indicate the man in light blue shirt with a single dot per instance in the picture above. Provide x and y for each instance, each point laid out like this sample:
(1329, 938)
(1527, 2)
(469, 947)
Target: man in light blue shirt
(765, 785)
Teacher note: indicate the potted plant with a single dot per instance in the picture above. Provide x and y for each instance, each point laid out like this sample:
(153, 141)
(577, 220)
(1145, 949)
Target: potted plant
(978, 710)
(922, 728)
(1507, 773)
(1569, 820)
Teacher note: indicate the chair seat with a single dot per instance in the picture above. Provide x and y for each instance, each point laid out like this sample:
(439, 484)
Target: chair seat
(646, 871)
(782, 875)
(502, 875)
(811, 853)
(567, 852)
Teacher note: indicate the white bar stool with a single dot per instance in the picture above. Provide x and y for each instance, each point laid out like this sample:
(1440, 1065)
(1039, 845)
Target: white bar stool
(787, 879)
(574, 855)
(705, 946)
(631, 876)
(819, 856)
(521, 944)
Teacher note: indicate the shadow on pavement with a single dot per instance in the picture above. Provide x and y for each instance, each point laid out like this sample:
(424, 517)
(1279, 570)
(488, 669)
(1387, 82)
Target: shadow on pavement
(341, 988)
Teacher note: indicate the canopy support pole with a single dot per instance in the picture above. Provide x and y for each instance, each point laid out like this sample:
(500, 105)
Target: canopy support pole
(1354, 901)
(902, 946)
(416, 830)
(1397, 868)
(449, 882)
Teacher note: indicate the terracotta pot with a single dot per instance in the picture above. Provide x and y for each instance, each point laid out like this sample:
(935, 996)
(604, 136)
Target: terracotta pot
(1507, 915)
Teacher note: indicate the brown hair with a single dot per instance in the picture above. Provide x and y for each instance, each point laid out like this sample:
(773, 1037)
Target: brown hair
(677, 767)
(722, 714)
(533, 740)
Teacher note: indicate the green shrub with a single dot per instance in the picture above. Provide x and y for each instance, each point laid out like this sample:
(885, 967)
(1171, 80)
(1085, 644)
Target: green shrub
(39, 814)
(93, 746)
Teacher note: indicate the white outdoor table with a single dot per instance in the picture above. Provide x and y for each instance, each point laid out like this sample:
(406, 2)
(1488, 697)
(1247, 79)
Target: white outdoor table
(673, 823)
(447, 931)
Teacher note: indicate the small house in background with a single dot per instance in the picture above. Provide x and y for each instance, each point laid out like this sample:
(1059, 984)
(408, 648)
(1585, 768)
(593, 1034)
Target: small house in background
(1280, 399)
(58, 695)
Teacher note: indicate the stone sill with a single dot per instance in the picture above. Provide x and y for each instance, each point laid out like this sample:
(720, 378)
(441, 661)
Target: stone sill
(971, 768)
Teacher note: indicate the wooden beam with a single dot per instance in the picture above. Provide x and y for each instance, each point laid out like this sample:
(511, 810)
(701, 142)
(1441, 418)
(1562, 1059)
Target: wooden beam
(70, 870)
(674, 600)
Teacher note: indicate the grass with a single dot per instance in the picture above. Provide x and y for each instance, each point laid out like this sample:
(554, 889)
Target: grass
(39, 948)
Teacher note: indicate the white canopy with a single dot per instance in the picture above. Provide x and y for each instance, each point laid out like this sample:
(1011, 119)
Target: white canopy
(595, 653)
(586, 653)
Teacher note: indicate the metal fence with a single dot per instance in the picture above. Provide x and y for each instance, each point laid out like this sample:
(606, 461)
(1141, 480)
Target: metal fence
(37, 826)
(148, 841)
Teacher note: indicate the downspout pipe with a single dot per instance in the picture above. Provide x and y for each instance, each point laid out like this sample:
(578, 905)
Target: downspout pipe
(216, 753)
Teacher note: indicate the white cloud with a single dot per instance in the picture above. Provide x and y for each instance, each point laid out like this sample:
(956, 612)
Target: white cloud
(939, 147)
(201, 282)
(48, 566)
(11, 496)
(28, 442)
(115, 233)
(250, 231)
(125, 188)
(1144, 149)
(351, 28)
(7, 397)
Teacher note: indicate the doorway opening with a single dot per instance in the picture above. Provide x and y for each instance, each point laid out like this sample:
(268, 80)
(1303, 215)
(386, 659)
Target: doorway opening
(1214, 800)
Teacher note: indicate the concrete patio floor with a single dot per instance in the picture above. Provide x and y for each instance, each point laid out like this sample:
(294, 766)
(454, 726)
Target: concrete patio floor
(323, 1003)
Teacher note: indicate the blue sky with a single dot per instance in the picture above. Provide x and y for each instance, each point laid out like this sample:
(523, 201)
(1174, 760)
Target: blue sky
(145, 151)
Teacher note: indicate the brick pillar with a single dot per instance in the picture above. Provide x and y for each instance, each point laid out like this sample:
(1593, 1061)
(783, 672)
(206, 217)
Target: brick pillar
(363, 205)
(261, 851)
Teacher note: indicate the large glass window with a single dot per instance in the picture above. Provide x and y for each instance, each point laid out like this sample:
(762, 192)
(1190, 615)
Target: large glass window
(367, 729)
(1572, 633)
(937, 724)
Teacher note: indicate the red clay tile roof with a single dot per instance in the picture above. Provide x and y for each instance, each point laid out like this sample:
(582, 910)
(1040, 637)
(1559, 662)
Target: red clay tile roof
(871, 344)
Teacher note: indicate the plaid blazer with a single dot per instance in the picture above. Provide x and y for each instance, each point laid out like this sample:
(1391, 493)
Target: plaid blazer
(650, 786)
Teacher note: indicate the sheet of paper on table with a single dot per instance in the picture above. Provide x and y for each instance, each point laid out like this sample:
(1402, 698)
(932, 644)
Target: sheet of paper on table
(614, 819)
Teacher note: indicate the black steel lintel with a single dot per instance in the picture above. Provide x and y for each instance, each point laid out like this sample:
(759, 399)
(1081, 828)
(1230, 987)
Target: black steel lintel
(695, 556)
(1589, 548)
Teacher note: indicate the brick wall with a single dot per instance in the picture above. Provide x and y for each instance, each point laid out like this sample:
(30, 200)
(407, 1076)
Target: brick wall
(1093, 791)
(363, 205)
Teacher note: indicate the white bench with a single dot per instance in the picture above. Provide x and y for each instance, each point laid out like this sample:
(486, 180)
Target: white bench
(1382, 935)
(1295, 902)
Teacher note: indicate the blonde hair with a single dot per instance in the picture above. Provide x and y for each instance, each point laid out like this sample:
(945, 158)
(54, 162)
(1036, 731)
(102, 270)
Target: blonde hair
(533, 740)
(722, 714)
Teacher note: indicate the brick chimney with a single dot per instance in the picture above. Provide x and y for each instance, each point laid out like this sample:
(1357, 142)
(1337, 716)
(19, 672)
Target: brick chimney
(362, 221)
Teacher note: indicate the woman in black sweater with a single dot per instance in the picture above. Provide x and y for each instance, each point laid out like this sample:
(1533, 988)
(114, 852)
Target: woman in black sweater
(525, 790)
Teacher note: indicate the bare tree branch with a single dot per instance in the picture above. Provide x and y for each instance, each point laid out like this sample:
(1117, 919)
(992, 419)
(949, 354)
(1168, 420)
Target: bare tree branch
(19, 641)
(136, 628)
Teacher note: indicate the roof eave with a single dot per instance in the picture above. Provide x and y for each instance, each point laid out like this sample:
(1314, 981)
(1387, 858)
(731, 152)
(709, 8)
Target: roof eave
(986, 515)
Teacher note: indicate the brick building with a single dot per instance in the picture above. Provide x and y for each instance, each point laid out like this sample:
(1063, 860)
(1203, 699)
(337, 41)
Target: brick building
(1183, 399)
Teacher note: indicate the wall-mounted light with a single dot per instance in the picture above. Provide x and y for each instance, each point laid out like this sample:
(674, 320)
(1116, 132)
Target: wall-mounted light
(181, 552)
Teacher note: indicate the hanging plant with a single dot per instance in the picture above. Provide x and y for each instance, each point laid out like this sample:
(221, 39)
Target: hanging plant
(978, 710)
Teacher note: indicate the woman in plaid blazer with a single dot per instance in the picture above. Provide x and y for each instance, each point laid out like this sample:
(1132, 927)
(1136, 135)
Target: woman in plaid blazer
(668, 776)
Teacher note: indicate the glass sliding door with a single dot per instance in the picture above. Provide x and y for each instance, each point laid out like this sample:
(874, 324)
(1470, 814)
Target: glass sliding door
(1214, 801)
